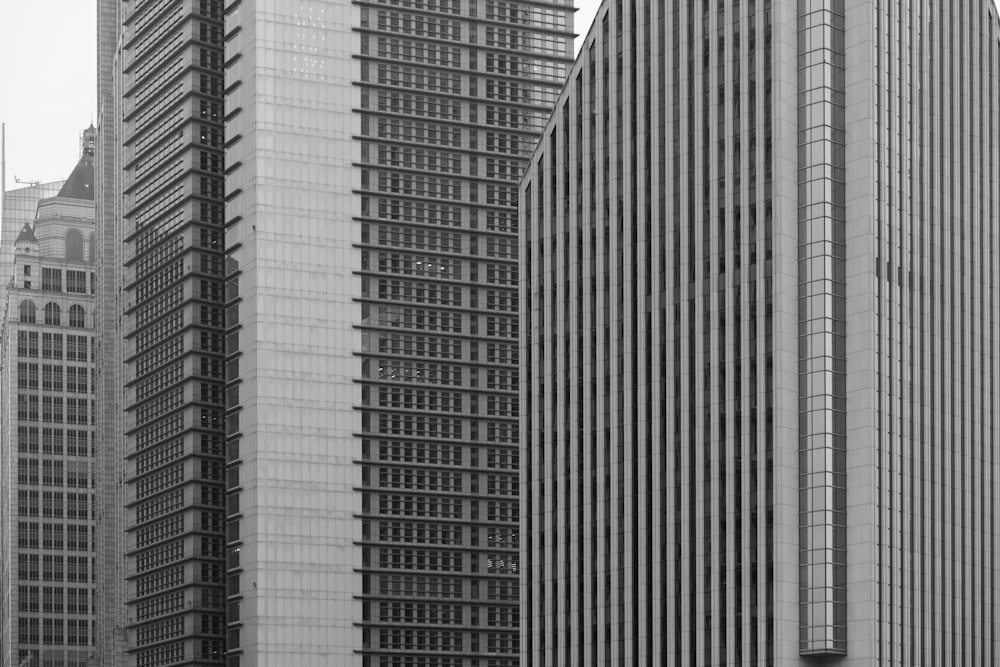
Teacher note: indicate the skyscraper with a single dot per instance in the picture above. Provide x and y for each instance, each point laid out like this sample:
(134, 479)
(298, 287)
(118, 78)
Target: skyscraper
(161, 227)
(47, 442)
(373, 153)
(758, 259)
(109, 491)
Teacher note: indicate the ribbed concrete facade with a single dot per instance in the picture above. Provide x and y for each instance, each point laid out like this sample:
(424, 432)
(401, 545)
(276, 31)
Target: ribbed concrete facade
(758, 258)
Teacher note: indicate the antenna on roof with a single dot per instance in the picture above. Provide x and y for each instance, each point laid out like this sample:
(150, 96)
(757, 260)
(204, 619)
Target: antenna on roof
(18, 180)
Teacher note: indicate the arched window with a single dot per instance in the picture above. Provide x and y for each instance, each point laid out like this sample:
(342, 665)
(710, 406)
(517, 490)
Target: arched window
(74, 245)
(53, 315)
(27, 309)
(76, 317)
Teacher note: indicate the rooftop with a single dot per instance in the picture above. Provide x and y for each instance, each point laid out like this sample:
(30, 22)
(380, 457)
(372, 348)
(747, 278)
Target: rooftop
(80, 184)
(27, 235)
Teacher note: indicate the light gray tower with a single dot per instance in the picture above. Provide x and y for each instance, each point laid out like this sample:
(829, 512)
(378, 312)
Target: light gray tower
(373, 151)
(758, 257)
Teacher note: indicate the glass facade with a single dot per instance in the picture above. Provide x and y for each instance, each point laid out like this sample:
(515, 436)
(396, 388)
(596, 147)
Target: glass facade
(822, 330)
(48, 441)
(757, 306)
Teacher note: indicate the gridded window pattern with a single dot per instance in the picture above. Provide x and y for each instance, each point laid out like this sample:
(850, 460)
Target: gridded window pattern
(420, 319)
(418, 661)
(404, 398)
(419, 346)
(427, 507)
(76, 282)
(27, 375)
(413, 613)
(419, 372)
(419, 478)
(431, 560)
(51, 280)
(404, 531)
(419, 238)
(27, 343)
(433, 453)
(419, 292)
(27, 503)
(410, 640)
(173, 203)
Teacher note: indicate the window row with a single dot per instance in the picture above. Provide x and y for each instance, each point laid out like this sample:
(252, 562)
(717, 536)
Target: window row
(53, 536)
(77, 410)
(75, 632)
(53, 567)
(77, 379)
(52, 314)
(54, 441)
(53, 504)
(73, 474)
(52, 280)
(52, 346)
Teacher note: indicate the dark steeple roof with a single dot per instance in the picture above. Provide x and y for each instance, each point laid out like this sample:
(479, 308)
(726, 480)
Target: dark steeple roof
(80, 184)
(27, 235)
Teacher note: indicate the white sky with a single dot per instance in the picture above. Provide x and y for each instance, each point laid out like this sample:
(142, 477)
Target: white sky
(585, 16)
(48, 84)
(48, 81)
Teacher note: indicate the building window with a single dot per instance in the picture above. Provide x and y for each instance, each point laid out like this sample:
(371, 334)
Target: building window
(76, 282)
(52, 377)
(51, 280)
(52, 409)
(27, 343)
(53, 315)
(52, 346)
(27, 310)
(27, 628)
(76, 316)
(27, 375)
(74, 245)
(27, 408)
(76, 411)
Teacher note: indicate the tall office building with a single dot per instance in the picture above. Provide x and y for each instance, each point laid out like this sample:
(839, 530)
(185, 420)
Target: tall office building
(373, 154)
(160, 78)
(759, 293)
(47, 442)
(109, 569)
